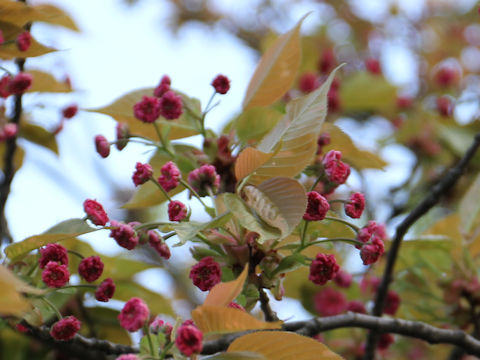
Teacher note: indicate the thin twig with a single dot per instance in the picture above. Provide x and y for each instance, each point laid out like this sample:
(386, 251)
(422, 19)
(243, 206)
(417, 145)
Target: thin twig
(270, 315)
(432, 198)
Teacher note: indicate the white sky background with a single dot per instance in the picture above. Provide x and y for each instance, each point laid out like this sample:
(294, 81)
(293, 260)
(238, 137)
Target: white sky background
(122, 48)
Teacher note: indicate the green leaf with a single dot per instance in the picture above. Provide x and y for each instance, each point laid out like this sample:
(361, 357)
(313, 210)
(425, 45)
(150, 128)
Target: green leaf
(39, 136)
(45, 82)
(188, 230)
(122, 110)
(359, 159)
(10, 51)
(157, 303)
(279, 201)
(252, 125)
(469, 208)
(276, 70)
(289, 263)
(65, 230)
(243, 215)
(363, 91)
(145, 345)
(296, 134)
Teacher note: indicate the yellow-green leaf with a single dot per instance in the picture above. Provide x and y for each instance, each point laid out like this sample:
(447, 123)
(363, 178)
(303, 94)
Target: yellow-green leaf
(243, 215)
(17, 158)
(39, 136)
(279, 201)
(363, 91)
(122, 110)
(359, 159)
(276, 70)
(469, 208)
(188, 230)
(45, 82)
(19, 14)
(63, 231)
(222, 319)
(296, 134)
(223, 294)
(10, 51)
(282, 345)
(252, 125)
(11, 301)
(249, 160)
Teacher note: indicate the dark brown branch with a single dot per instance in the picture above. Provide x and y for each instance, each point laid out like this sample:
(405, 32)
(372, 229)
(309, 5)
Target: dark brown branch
(80, 344)
(270, 315)
(414, 329)
(441, 188)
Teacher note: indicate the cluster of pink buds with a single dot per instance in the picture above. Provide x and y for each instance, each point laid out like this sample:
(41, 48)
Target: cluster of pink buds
(373, 236)
(15, 85)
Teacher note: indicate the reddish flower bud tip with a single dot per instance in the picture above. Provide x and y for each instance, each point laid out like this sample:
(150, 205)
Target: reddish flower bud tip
(323, 268)
(204, 178)
(20, 327)
(134, 314)
(163, 86)
(4, 81)
(52, 252)
(124, 235)
(206, 273)
(147, 109)
(170, 105)
(158, 325)
(105, 290)
(189, 340)
(327, 61)
(55, 275)
(333, 98)
(177, 211)
(446, 76)
(343, 279)
(95, 212)
(355, 207)
(444, 106)
(158, 244)
(170, 177)
(308, 82)
(127, 357)
(2, 38)
(385, 341)
(392, 303)
(317, 207)
(70, 111)
(24, 40)
(356, 306)
(329, 302)
(143, 173)
(234, 305)
(371, 252)
(123, 134)
(9, 131)
(91, 268)
(221, 84)
(336, 170)
(65, 329)
(102, 146)
(404, 102)
(20, 83)
(373, 66)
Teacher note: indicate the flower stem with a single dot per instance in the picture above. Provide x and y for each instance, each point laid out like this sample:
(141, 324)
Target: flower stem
(304, 232)
(187, 185)
(202, 120)
(52, 306)
(165, 144)
(150, 344)
(152, 225)
(161, 188)
(354, 227)
(73, 252)
(72, 287)
(345, 240)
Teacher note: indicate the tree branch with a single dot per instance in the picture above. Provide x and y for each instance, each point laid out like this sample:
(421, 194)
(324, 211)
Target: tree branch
(446, 183)
(270, 315)
(414, 329)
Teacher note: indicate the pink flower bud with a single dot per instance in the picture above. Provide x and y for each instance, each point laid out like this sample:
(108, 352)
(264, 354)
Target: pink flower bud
(52, 252)
(147, 109)
(317, 207)
(105, 290)
(336, 170)
(373, 66)
(65, 329)
(177, 211)
(189, 340)
(123, 134)
(20, 83)
(55, 275)
(158, 245)
(70, 111)
(91, 268)
(355, 207)
(24, 40)
(102, 146)
(95, 212)
(221, 84)
(143, 173)
(329, 302)
(204, 178)
(124, 235)
(170, 177)
(323, 268)
(170, 105)
(308, 82)
(163, 86)
(327, 61)
(206, 273)
(134, 314)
